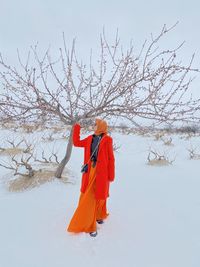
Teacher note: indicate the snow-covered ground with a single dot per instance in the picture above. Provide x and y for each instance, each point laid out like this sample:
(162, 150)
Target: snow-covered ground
(154, 213)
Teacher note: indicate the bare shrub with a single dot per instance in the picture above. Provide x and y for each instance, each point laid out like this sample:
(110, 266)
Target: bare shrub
(158, 136)
(40, 177)
(116, 147)
(48, 137)
(52, 159)
(17, 166)
(158, 159)
(30, 128)
(16, 149)
(193, 154)
(167, 142)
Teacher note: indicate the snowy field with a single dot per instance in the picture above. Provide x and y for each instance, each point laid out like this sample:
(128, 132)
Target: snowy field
(154, 211)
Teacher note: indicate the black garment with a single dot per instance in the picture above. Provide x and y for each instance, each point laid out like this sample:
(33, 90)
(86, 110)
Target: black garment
(95, 141)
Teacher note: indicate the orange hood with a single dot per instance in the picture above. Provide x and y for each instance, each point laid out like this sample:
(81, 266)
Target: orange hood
(102, 127)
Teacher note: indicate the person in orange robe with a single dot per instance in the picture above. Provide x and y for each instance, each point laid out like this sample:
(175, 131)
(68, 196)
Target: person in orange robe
(95, 181)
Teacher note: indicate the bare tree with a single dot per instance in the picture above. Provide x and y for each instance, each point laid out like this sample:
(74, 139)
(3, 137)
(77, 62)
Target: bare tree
(167, 142)
(15, 165)
(152, 84)
(192, 152)
(48, 160)
(158, 159)
(24, 165)
(15, 149)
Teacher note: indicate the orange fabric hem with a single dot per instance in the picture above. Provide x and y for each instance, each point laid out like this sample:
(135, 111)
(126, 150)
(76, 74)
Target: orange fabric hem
(89, 209)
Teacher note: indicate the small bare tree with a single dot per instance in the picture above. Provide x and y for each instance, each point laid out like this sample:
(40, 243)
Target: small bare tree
(159, 136)
(24, 163)
(15, 147)
(167, 142)
(158, 159)
(49, 159)
(152, 84)
(193, 154)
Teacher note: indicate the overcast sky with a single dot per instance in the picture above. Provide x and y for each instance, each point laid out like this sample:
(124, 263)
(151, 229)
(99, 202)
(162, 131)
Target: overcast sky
(24, 23)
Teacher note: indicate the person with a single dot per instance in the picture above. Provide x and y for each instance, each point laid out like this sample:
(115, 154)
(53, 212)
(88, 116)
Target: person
(99, 155)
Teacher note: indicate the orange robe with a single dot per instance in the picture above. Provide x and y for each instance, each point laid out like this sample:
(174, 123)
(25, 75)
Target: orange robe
(89, 209)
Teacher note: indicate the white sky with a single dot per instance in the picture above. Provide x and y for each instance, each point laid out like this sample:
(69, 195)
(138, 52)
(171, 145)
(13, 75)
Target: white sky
(24, 23)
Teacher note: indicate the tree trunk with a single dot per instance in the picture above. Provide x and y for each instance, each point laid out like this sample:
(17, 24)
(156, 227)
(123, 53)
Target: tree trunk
(65, 160)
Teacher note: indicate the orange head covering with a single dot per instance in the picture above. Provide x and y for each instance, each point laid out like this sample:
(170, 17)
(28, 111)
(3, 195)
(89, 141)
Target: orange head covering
(102, 127)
